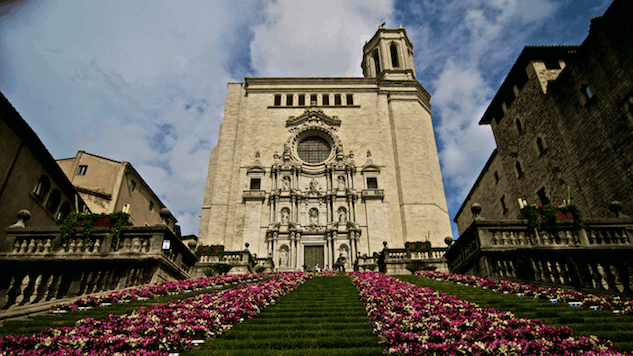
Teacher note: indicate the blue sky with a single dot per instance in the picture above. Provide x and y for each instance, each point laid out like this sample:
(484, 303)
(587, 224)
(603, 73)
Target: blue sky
(145, 81)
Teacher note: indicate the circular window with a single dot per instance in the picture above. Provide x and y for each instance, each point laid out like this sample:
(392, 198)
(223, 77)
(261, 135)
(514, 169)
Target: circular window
(313, 149)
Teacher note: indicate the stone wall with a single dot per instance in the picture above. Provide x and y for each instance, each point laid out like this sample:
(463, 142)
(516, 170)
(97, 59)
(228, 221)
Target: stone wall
(569, 141)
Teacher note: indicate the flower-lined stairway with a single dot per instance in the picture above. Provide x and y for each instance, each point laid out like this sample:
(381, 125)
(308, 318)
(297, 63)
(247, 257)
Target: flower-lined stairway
(321, 317)
(420, 321)
(565, 310)
(158, 329)
(244, 315)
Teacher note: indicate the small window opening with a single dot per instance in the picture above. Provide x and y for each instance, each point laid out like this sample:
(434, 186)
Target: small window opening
(53, 201)
(313, 99)
(278, 100)
(552, 64)
(496, 175)
(519, 126)
(542, 195)
(289, 98)
(350, 99)
(42, 187)
(337, 99)
(256, 183)
(503, 204)
(519, 169)
(376, 58)
(394, 55)
(64, 211)
(326, 99)
(372, 183)
(132, 186)
(540, 145)
(587, 92)
(151, 205)
(302, 100)
(82, 170)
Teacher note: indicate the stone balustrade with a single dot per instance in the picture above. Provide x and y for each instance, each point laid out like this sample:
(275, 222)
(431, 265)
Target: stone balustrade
(595, 258)
(266, 263)
(38, 266)
(254, 195)
(241, 262)
(395, 260)
(372, 194)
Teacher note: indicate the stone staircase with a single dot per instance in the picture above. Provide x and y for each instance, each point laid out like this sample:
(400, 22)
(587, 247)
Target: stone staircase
(322, 317)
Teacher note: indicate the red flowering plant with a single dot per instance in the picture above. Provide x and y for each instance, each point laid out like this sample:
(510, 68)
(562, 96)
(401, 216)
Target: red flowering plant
(418, 246)
(158, 329)
(210, 250)
(624, 307)
(414, 320)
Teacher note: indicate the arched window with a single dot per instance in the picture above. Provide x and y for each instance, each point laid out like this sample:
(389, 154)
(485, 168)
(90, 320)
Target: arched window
(53, 201)
(376, 58)
(63, 211)
(394, 55)
(42, 187)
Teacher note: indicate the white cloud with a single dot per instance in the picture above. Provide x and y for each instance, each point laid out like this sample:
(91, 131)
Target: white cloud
(315, 38)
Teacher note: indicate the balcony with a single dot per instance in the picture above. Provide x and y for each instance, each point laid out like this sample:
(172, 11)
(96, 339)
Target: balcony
(254, 195)
(373, 194)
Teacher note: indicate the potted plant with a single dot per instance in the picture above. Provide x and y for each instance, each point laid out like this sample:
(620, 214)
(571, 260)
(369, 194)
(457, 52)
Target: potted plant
(117, 221)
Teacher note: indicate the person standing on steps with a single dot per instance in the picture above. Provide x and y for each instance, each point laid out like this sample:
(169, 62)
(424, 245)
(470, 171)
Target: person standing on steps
(340, 263)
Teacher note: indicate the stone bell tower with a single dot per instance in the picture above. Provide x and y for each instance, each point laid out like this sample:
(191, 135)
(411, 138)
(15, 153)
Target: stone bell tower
(389, 55)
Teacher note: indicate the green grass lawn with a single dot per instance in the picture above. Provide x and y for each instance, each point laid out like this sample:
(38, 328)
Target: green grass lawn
(584, 322)
(321, 317)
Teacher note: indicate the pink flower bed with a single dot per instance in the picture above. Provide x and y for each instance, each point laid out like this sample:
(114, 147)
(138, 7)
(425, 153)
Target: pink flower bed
(160, 329)
(159, 290)
(561, 295)
(419, 321)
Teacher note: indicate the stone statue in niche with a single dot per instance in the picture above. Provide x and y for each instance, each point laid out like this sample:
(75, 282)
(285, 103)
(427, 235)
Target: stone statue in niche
(314, 216)
(314, 186)
(340, 183)
(286, 183)
(285, 215)
(342, 215)
(283, 258)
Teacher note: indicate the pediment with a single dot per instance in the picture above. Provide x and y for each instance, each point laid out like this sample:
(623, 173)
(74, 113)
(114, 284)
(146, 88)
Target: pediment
(313, 114)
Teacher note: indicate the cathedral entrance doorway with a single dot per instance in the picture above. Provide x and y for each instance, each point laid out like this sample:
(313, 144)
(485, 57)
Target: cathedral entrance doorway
(312, 256)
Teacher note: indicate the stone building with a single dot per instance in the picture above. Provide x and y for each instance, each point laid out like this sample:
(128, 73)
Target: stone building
(31, 179)
(308, 169)
(563, 122)
(108, 186)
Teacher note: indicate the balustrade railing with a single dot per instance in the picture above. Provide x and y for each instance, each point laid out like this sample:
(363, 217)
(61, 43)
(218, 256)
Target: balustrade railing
(595, 258)
(372, 193)
(38, 266)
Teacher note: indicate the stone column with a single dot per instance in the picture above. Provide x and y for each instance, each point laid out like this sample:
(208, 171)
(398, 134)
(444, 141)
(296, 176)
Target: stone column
(291, 249)
(328, 247)
(297, 237)
(275, 255)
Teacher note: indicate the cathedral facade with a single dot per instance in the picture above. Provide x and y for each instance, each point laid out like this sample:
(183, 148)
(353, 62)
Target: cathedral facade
(308, 169)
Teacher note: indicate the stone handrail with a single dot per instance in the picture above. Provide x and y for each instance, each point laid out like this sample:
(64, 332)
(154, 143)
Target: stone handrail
(39, 266)
(242, 261)
(402, 254)
(561, 255)
(254, 194)
(372, 193)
